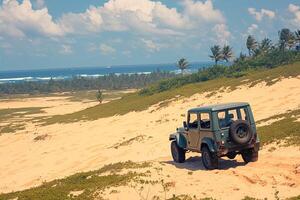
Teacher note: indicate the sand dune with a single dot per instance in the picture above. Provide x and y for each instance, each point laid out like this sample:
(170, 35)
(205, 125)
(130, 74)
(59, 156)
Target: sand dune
(82, 146)
(53, 105)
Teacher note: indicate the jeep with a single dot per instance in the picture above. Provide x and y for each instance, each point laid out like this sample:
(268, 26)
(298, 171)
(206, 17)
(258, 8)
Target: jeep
(216, 131)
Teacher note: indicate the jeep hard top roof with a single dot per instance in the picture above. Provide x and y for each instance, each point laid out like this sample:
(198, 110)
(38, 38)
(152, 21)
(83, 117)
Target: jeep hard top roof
(218, 107)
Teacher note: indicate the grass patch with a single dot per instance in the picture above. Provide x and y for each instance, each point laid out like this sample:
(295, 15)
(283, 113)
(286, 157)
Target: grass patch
(136, 102)
(13, 118)
(11, 128)
(138, 138)
(287, 129)
(41, 137)
(188, 197)
(294, 198)
(5, 114)
(90, 183)
(90, 95)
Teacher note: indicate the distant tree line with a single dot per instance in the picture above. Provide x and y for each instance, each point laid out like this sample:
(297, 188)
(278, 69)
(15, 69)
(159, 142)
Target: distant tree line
(263, 54)
(288, 41)
(108, 82)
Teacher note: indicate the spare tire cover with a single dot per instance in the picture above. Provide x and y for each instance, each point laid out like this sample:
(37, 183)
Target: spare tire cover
(240, 131)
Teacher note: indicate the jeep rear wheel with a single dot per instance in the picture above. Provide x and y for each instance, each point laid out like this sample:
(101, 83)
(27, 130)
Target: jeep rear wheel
(209, 159)
(249, 155)
(231, 155)
(178, 153)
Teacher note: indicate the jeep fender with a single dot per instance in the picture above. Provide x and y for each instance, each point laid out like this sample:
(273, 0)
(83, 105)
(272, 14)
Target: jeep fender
(180, 140)
(210, 144)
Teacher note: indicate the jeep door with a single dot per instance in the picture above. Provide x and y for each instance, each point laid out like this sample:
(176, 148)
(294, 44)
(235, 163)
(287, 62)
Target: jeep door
(193, 131)
(205, 127)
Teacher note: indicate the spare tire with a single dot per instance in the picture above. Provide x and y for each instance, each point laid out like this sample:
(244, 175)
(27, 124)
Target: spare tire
(240, 131)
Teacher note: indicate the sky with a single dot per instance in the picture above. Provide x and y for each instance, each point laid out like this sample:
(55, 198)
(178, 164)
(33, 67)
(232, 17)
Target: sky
(43, 34)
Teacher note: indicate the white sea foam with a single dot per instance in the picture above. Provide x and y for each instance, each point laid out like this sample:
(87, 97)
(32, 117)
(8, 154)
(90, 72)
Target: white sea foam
(16, 79)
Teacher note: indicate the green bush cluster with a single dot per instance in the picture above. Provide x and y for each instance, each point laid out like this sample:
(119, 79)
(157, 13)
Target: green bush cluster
(239, 68)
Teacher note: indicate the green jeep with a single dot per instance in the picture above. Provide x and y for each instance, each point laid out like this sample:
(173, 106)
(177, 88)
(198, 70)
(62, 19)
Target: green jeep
(217, 131)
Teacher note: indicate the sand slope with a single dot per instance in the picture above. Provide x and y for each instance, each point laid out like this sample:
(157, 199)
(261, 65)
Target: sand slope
(82, 146)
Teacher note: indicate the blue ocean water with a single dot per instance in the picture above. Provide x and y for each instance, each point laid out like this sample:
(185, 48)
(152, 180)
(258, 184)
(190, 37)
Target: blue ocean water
(65, 73)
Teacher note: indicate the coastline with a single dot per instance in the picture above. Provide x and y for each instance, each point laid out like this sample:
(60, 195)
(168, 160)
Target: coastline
(91, 72)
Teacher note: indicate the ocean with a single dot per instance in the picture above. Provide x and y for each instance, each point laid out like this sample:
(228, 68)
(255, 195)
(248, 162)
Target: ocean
(66, 73)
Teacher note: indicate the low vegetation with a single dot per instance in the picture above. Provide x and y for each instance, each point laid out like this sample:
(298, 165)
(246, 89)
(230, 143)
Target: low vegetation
(90, 184)
(241, 68)
(286, 129)
(138, 138)
(12, 119)
(92, 95)
(19, 112)
(11, 128)
(41, 137)
(137, 102)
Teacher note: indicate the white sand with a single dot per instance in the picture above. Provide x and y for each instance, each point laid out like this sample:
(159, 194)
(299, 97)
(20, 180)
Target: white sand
(83, 146)
(53, 105)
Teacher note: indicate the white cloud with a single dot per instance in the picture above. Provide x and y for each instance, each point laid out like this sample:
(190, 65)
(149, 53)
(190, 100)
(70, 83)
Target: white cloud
(222, 33)
(40, 4)
(203, 11)
(66, 49)
(295, 10)
(252, 29)
(151, 46)
(259, 15)
(90, 21)
(169, 17)
(255, 31)
(142, 18)
(106, 49)
(18, 19)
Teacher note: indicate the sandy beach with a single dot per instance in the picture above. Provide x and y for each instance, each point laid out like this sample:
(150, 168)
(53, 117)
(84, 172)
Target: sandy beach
(82, 146)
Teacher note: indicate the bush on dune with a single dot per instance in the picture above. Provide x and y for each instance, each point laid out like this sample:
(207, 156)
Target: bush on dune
(239, 68)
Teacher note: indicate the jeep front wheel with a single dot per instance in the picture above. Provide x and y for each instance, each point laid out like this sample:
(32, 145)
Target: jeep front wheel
(209, 159)
(178, 153)
(249, 155)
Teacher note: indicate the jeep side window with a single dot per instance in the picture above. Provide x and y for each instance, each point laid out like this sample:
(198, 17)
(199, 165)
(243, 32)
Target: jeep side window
(227, 117)
(204, 120)
(193, 120)
(232, 115)
(221, 117)
(244, 114)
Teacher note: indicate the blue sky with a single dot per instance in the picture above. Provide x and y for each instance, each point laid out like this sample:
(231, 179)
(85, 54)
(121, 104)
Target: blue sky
(64, 33)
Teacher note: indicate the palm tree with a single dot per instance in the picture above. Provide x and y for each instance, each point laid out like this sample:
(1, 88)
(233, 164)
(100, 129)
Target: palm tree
(297, 35)
(183, 64)
(297, 38)
(227, 53)
(286, 38)
(256, 52)
(265, 45)
(216, 53)
(241, 58)
(251, 44)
